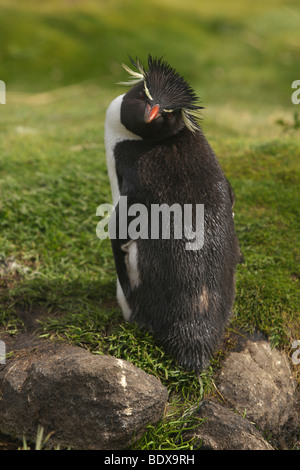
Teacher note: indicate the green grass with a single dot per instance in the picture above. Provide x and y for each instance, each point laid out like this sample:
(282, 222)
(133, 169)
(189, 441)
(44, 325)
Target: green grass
(60, 62)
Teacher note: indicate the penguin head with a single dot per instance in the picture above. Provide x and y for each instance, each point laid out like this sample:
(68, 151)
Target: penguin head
(160, 103)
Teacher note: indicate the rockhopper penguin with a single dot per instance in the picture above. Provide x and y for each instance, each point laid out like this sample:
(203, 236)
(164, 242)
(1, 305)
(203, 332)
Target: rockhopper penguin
(157, 154)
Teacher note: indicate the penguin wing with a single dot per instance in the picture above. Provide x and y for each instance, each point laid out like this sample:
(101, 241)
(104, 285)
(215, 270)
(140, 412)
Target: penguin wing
(232, 198)
(231, 193)
(120, 253)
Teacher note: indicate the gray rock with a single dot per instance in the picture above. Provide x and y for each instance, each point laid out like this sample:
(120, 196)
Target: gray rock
(258, 382)
(222, 429)
(90, 401)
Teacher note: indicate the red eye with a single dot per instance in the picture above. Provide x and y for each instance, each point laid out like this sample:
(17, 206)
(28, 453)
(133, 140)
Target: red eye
(141, 95)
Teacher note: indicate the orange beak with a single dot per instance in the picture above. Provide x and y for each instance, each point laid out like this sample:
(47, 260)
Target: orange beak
(151, 113)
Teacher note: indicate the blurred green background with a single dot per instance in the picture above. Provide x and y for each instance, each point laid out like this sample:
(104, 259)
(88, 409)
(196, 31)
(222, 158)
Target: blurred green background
(61, 61)
(238, 52)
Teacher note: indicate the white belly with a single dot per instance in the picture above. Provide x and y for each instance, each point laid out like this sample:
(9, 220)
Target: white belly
(115, 132)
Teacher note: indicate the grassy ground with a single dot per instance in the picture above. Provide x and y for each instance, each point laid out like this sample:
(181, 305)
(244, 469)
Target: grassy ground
(60, 63)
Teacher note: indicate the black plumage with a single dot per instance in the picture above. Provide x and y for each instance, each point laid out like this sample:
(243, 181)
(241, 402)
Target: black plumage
(184, 297)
